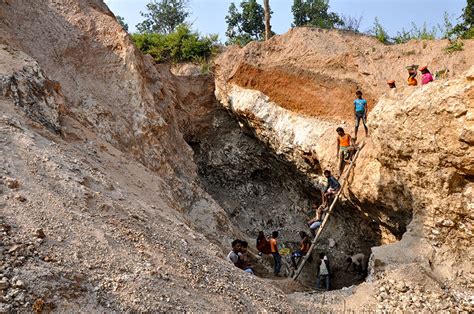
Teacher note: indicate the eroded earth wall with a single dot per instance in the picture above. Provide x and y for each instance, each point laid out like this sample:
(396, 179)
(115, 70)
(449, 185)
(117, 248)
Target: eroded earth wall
(414, 176)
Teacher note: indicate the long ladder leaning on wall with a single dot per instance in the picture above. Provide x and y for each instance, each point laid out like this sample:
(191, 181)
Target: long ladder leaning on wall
(320, 229)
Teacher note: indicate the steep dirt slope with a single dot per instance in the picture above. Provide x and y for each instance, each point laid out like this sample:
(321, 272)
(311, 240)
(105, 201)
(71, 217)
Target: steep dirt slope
(100, 210)
(109, 86)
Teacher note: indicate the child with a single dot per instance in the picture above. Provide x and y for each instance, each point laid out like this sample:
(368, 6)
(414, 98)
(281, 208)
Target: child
(360, 113)
(331, 189)
(263, 246)
(305, 244)
(275, 253)
(344, 148)
(426, 76)
(316, 222)
(324, 272)
(244, 260)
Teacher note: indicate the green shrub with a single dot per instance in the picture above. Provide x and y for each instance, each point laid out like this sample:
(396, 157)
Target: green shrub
(182, 45)
(454, 46)
(423, 33)
(379, 32)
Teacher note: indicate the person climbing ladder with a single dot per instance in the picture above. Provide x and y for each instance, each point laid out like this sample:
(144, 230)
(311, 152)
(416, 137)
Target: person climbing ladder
(345, 148)
(305, 244)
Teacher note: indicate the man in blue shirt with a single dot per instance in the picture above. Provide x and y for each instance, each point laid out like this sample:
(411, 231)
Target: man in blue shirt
(360, 112)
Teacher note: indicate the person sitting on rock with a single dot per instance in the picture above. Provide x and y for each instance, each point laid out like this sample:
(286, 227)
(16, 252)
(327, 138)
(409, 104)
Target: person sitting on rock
(235, 254)
(345, 148)
(358, 262)
(305, 244)
(426, 76)
(244, 259)
(331, 189)
(324, 272)
(360, 113)
(275, 253)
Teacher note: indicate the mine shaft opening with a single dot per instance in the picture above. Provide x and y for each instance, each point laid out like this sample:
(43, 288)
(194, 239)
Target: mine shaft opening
(262, 192)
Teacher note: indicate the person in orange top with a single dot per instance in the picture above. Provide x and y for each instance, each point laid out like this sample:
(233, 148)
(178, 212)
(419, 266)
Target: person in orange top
(305, 244)
(275, 253)
(391, 84)
(411, 80)
(344, 148)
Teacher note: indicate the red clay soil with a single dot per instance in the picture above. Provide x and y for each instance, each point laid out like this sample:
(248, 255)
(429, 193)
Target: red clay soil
(301, 91)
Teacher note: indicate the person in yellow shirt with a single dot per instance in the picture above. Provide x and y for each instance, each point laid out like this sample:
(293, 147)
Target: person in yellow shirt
(275, 253)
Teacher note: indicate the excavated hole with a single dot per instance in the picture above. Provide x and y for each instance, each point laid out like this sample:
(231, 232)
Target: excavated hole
(260, 191)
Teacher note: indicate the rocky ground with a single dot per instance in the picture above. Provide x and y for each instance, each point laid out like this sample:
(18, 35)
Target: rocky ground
(122, 185)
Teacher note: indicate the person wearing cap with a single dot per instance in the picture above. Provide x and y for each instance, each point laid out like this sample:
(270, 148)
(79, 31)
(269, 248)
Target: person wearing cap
(426, 76)
(411, 80)
(391, 84)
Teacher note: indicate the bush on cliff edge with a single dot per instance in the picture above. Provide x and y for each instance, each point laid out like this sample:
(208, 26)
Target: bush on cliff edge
(182, 45)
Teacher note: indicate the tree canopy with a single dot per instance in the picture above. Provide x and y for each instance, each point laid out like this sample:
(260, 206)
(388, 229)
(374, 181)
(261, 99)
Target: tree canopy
(246, 25)
(163, 16)
(465, 29)
(314, 13)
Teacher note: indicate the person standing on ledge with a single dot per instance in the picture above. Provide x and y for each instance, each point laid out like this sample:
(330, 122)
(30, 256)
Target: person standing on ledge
(360, 113)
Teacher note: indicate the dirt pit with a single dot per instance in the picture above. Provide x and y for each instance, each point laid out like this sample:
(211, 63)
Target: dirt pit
(261, 191)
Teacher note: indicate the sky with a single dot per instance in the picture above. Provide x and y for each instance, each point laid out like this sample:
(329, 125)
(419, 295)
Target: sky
(208, 16)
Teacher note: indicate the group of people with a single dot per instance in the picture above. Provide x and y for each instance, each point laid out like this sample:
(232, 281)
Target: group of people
(346, 146)
(426, 76)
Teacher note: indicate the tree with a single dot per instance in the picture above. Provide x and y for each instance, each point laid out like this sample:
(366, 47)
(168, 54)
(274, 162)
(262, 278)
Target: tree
(182, 45)
(465, 29)
(315, 13)
(245, 26)
(268, 27)
(163, 16)
(300, 16)
(121, 21)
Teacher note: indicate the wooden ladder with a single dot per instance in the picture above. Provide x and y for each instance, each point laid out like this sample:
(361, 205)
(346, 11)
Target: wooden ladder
(320, 229)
